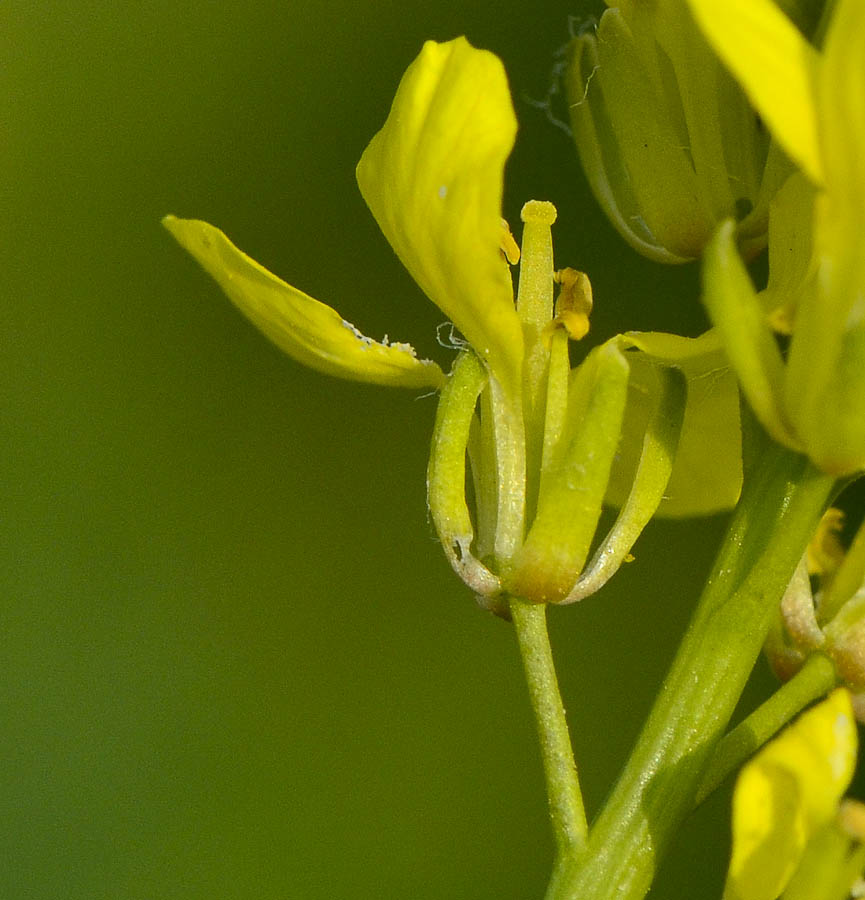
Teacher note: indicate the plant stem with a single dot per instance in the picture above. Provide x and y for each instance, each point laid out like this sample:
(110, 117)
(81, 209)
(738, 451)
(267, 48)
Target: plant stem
(567, 814)
(777, 514)
(814, 680)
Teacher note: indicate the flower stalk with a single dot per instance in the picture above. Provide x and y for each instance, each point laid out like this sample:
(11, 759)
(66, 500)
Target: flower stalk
(567, 814)
(815, 679)
(780, 508)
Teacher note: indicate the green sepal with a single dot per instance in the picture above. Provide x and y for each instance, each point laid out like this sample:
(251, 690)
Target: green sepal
(650, 482)
(706, 475)
(307, 330)
(726, 163)
(600, 154)
(574, 484)
(446, 474)
(667, 138)
(630, 148)
(739, 317)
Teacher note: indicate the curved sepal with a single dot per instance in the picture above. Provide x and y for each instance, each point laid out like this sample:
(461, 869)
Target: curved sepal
(574, 480)
(446, 475)
(650, 483)
(630, 148)
(308, 331)
(706, 475)
(433, 178)
(738, 315)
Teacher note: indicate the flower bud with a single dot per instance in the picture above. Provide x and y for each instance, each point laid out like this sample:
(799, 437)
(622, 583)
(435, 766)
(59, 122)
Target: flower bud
(810, 397)
(668, 141)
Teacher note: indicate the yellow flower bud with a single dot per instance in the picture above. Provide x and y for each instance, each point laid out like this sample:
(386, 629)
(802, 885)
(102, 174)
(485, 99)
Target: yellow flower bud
(669, 143)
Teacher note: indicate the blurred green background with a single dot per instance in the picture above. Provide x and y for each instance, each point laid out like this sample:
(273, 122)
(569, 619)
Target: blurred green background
(236, 664)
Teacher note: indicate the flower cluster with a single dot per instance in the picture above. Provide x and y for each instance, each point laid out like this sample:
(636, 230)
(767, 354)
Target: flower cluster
(810, 396)
(669, 142)
(670, 100)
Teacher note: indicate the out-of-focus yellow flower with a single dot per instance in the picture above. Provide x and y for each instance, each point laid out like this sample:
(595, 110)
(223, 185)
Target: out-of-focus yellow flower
(667, 139)
(813, 100)
(545, 443)
(779, 69)
(786, 795)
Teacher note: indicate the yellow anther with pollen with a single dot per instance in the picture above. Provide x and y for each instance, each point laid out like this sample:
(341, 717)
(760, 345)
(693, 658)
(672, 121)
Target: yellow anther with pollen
(825, 552)
(508, 245)
(573, 305)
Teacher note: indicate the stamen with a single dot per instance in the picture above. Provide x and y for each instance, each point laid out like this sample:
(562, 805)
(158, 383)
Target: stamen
(574, 302)
(508, 245)
(825, 551)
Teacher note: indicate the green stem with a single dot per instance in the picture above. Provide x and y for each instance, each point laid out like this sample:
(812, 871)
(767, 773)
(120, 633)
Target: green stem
(779, 511)
(567, 814)
(814, 680)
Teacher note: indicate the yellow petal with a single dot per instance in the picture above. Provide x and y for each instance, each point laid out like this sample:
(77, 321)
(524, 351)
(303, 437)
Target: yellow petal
(433, 179)
(842, 106)
(775, 65)
(786, 793)
(308, 331)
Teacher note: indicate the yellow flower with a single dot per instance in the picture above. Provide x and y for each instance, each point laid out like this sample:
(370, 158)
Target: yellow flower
(433, 178)
(814, 102)
(779, 70)
(786, 795)
(542, 440)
